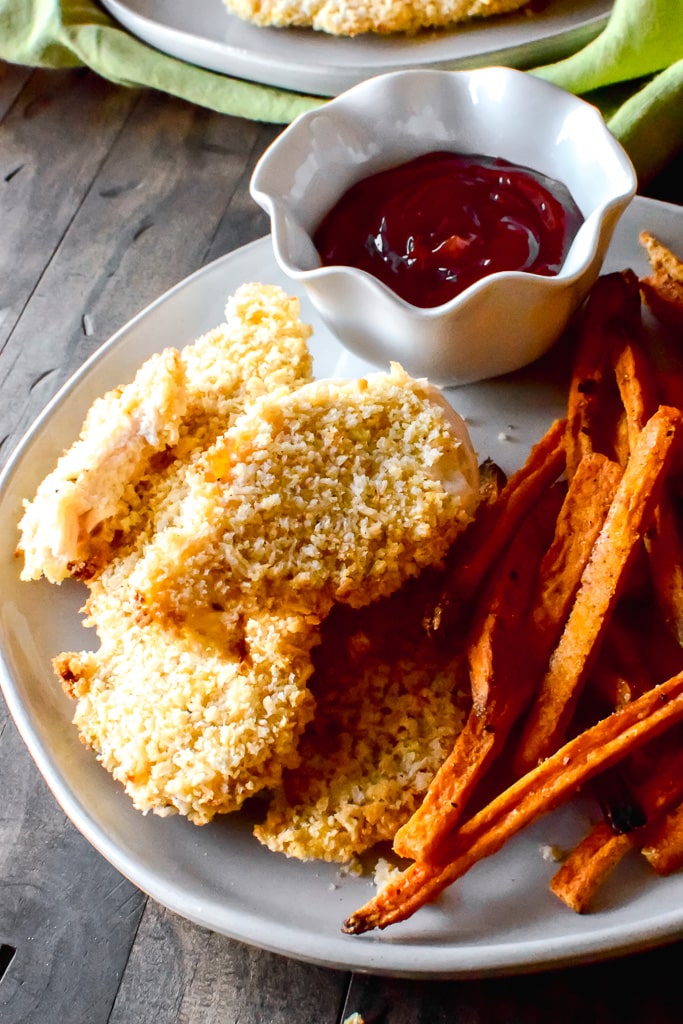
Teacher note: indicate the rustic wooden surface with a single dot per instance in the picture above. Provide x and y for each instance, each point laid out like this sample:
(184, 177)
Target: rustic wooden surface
(108, 196)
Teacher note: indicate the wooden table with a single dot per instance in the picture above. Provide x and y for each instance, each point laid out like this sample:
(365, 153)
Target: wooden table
(110, 196)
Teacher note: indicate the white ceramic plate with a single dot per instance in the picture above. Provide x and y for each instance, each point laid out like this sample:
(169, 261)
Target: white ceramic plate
(311, 62)
(500, 917)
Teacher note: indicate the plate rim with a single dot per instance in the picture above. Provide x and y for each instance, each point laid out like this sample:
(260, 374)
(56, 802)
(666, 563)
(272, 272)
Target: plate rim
(328, 77)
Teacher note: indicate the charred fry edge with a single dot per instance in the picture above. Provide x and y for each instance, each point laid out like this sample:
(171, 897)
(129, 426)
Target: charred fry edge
(540, 790)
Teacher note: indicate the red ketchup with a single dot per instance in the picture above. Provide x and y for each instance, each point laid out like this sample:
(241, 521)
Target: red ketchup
(431, 227)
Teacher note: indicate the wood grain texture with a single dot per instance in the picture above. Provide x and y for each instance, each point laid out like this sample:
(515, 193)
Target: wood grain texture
(631, 990)
(149, 214)
(12, 80)
(116, 197)
(178, 972)
(45, 177)
(68, 914)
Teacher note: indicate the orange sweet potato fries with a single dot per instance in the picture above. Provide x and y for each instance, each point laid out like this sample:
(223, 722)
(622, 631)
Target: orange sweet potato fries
(567, 594)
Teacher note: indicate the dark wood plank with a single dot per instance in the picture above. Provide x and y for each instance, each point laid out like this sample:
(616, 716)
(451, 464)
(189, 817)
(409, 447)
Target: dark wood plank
(244, 220)
(152, 215)
(179, 972)
(13, 78)
(69, 917)
(53, 139)
(638, 988)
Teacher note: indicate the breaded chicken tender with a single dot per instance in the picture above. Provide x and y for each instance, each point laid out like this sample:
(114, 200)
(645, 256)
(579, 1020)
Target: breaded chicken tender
(388, 709)
(336, 491)
(178, 403)
(353, 17)
(187, 727)
(62, 528)
(217, 508)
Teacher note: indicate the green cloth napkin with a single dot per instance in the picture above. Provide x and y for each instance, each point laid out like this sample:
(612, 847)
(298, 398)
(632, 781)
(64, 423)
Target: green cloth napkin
(633, 70)
(71, 33)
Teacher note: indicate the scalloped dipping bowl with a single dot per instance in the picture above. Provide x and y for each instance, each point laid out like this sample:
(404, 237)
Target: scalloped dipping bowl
(505, 320)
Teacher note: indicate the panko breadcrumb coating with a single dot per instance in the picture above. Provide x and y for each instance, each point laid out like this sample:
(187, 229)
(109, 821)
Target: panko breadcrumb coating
(217, 508)
(186, 722)
(187, 727)
(178, 402)
(353, 17)
(62, 529)
(336, 491)
(389, 707)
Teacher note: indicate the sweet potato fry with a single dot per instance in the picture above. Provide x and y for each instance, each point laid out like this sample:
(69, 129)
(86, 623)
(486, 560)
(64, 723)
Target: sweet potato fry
(590, 863)
(504, 671)
(611, 684)
(664, 546)
(621, 808)
(663, 848)
(588, 866)
(662, 260)
(498, 694)
(476, 746)
(637, 386)
(612, 311)
(601, 585)
(481, 544)
(492, 480)
(622, 649)
(506, 602)
(590, 494)
(532, 627)
(539, 791)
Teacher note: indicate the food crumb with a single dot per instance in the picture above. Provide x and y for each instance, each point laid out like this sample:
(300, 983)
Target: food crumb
(553, 853)
(384, 872)
(355, 1018)
(352, 867)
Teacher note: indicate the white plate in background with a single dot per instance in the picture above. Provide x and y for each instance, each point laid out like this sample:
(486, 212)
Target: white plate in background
(322, 65)
(500, 918)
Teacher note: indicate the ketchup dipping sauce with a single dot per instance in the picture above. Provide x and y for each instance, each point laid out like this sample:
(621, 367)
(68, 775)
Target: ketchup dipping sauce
(433, 226)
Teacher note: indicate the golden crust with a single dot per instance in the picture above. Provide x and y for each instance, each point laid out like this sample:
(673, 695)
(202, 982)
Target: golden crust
(389, 708)
(354, 17)
(177, 403)
(336, 491)
(222, 503)
(184, 726)
(189, 721)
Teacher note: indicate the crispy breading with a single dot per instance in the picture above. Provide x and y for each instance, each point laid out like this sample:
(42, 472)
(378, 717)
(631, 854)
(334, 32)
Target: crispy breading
(216, 508)
(122, 432)
(353, 17)
(186, 726)
(336, 491)
(389, 708)
(98, 493)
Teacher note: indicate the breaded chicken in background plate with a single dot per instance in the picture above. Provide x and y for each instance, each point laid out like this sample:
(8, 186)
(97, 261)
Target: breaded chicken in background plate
(353, 17)
(218, 508)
